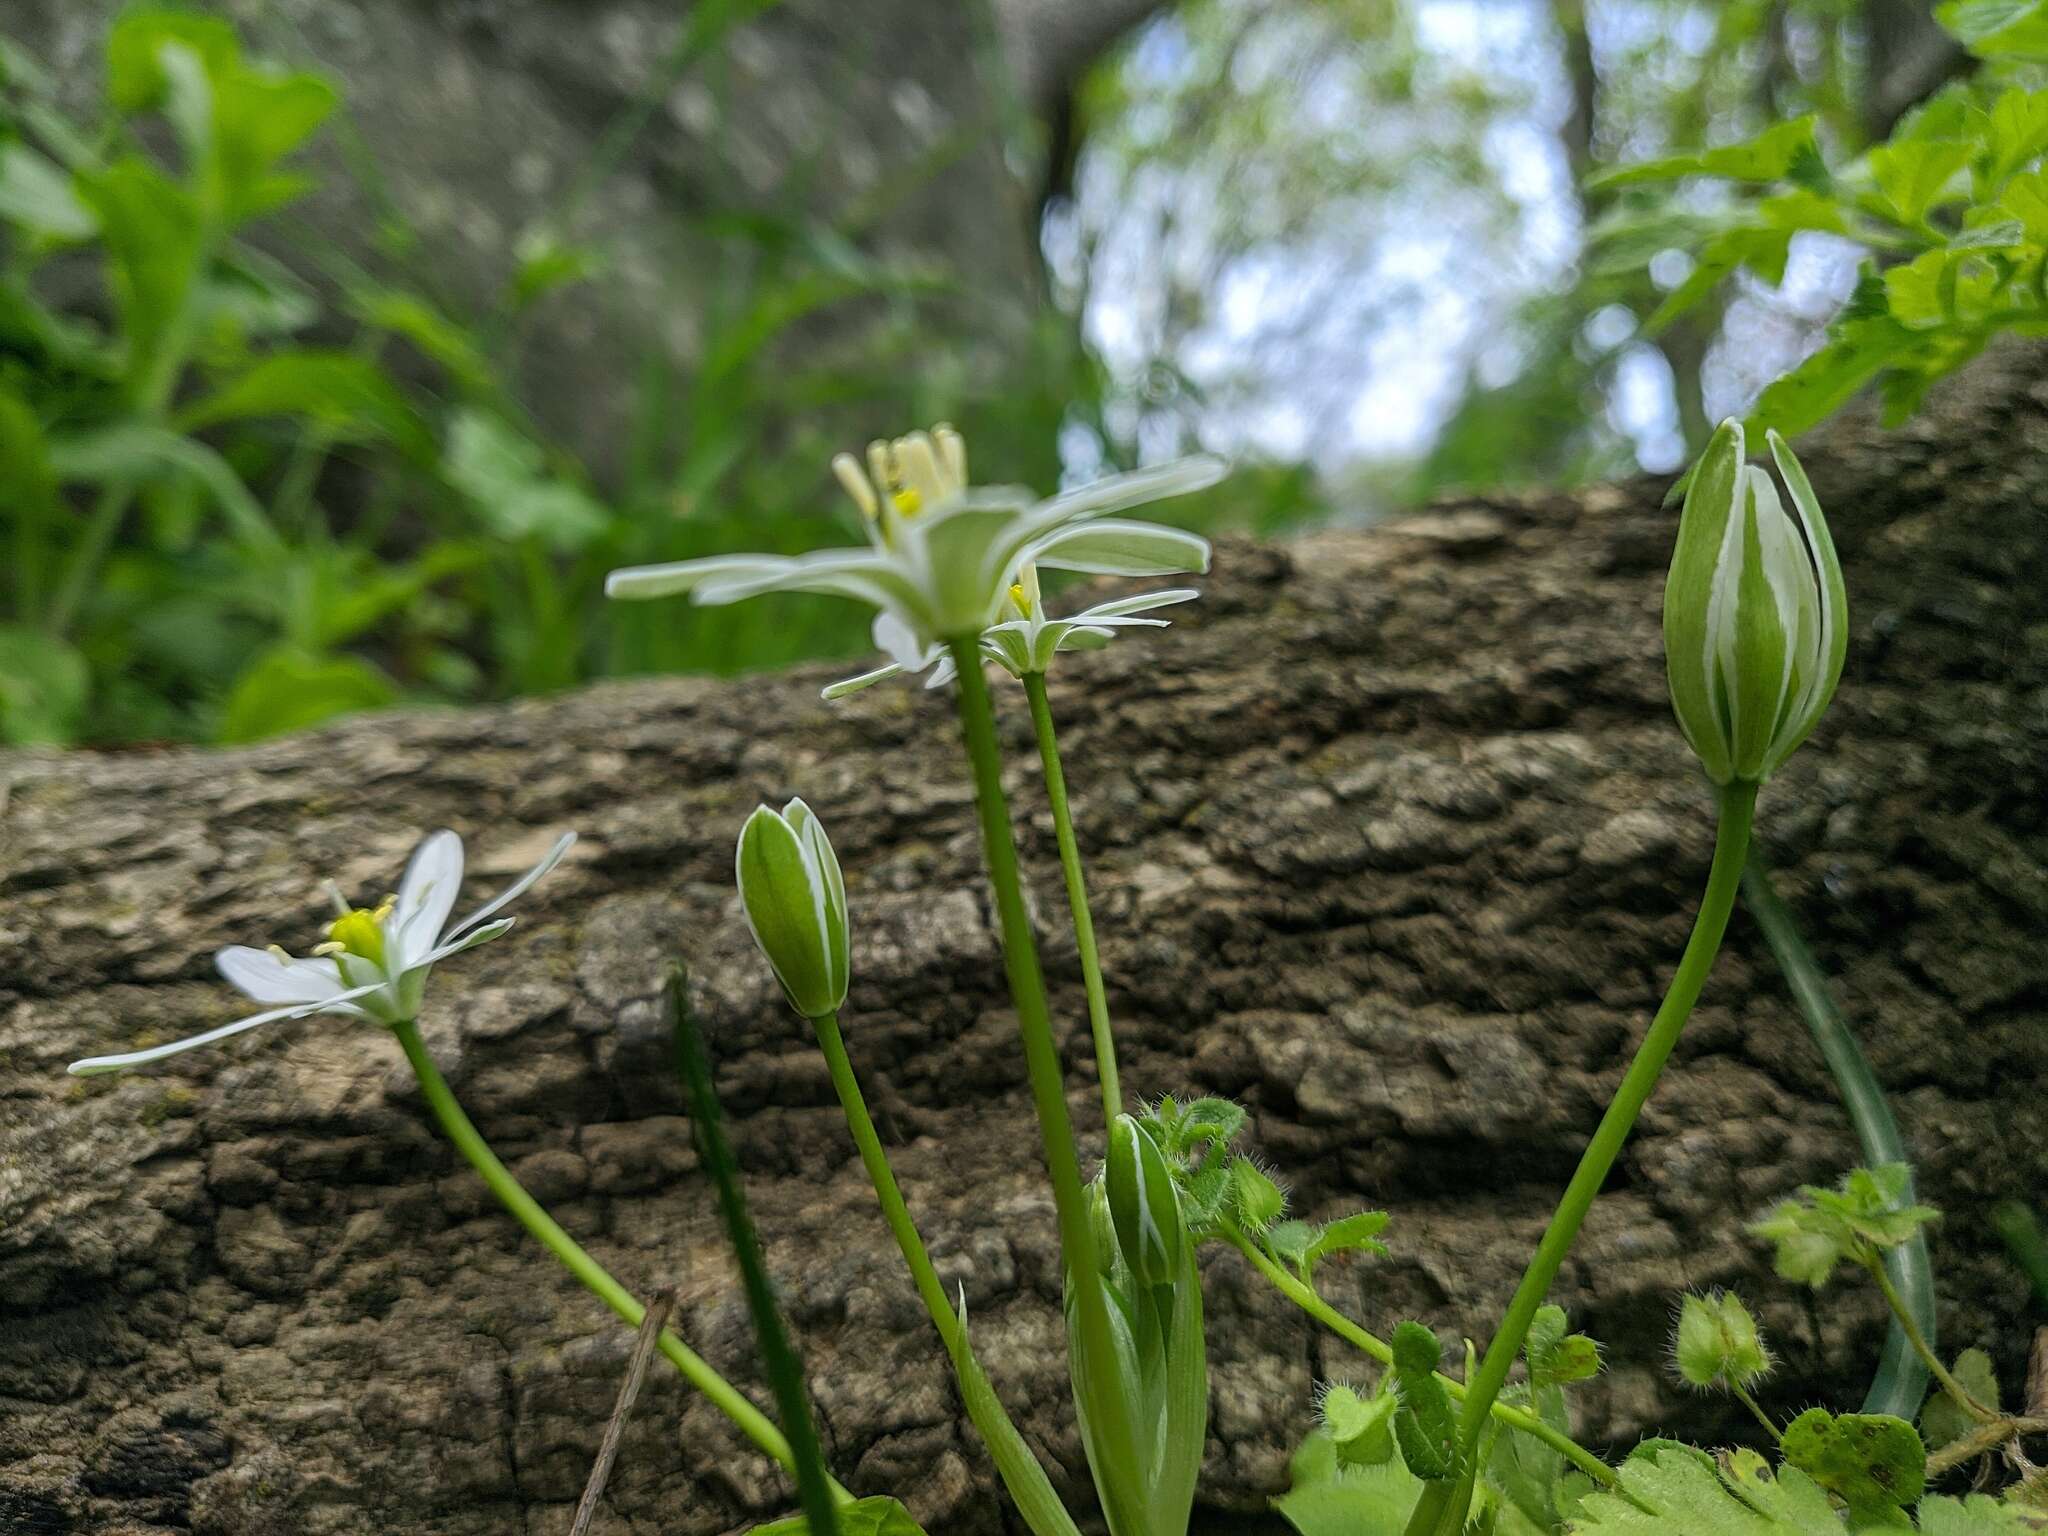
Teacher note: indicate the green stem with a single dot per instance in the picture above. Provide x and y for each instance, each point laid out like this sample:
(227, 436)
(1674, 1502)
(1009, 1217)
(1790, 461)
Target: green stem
(1742, 1396)
(883, 1177)
(1077, 895)
(1731, 845)
(754, 1424)
(100, 527)
(778, 1355)
(1310, 1301)
(1921, 1347)
(1109, 1414)
(1901, 1381)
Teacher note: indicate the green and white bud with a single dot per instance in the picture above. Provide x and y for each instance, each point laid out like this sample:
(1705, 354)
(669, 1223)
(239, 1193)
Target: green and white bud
(1144, 1205)
(795, 902)
(1755, 615)
(1718, 1343)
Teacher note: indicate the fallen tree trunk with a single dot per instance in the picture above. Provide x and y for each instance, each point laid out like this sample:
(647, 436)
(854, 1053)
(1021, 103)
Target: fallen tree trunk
(1392, 839)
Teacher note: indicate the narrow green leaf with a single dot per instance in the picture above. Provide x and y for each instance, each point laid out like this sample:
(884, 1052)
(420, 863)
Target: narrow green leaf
(286, 689)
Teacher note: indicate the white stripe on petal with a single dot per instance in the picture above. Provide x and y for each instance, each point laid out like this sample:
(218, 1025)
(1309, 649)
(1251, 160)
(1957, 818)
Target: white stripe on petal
(426, 895)
(267, 979)
(93, 1064)
(517, 888)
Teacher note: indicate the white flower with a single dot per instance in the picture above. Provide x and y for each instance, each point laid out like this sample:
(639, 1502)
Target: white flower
(375, 962)
(1025, 642)
(942, 554)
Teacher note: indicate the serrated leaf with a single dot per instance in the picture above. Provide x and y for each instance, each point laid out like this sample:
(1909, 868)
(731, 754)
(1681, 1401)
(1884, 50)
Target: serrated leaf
(1873, 1462)
(1943, 1419)
(1329, 1498)
(1784, 151)
(1682, 1492)
(1977, 1515)
(1998, 29)
(2015, 133)
(1361, 1428)
(1913, 175)
(1357, 1233)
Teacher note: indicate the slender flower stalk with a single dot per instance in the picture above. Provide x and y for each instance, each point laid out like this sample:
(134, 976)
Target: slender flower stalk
(596, 1279)
(1731, 848)
(1041, 1055)
(1077, 895)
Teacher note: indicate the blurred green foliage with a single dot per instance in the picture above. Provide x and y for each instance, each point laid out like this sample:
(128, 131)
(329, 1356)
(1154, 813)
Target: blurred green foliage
(1952, 206)
(218, 529)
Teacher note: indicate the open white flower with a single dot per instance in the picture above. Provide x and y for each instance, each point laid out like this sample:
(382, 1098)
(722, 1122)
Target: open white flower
(375, 963)
(942, 554)
(1026, 641)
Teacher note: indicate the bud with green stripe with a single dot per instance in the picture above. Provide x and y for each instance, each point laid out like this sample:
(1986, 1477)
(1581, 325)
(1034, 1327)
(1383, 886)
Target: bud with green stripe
(795, 902)
(1755, 614)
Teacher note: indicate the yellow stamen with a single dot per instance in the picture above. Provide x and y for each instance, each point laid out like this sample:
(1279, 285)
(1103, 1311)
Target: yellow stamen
(907, 501)
(952, 453)
(1021, 598)
(357, 932)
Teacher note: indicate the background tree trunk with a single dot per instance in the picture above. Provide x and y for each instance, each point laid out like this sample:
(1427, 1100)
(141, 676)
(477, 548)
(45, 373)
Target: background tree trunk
(1392, 838)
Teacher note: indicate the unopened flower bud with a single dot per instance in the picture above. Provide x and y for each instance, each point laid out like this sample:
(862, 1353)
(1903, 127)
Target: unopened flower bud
(1718, 1342)
(1755, 615)
(795, 902)
(1144, 1204)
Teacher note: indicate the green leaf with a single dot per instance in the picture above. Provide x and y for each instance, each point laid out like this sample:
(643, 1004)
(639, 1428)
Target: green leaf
(1361, 1428)
(1289, 1242)
(1944, 1420)
(134, 452)
(504, 476)
(1873, 1462)
(1978, 1515)
(151, 230)
(2015, 133)
(44, 684)
(1555, 1357)
(287, 689)
(2026, 199)
(1329, 1498)
(1030, 1490)
(875, 1516)
(1782, 152)
(38, 196)
(1347, 1234)
(347, 394)
(136, 81)
(1682, 1492)
(1912, 175)
(1856, 352)
(433, 333)
(1998, 29)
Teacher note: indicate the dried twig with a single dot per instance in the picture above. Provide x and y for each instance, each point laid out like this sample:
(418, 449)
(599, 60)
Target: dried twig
(2037, 1376)
(643, 1350)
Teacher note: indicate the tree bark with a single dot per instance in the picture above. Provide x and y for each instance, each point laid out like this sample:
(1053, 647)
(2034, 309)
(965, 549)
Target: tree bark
(1391, 838)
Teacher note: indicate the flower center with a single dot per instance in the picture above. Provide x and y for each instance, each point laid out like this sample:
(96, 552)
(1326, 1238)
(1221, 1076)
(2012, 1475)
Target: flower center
(360, 933)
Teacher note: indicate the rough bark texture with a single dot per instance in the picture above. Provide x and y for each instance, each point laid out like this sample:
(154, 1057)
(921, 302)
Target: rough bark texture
(1392, 839)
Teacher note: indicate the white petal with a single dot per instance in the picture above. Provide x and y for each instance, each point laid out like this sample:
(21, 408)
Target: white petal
(267, 979)
(517, 888)
(637, 581)
(426, 895)
(1155, 483)
(896, 640)
(93, 1064)
(1143, 602)
(1123, 547)
(942, 674)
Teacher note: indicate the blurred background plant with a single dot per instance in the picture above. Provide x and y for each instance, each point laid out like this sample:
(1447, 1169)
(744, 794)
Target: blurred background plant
(268, 456)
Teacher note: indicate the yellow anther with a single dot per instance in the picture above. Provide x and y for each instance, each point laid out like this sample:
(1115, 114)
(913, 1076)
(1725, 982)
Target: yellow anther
(906, 501)
(1021, 598)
